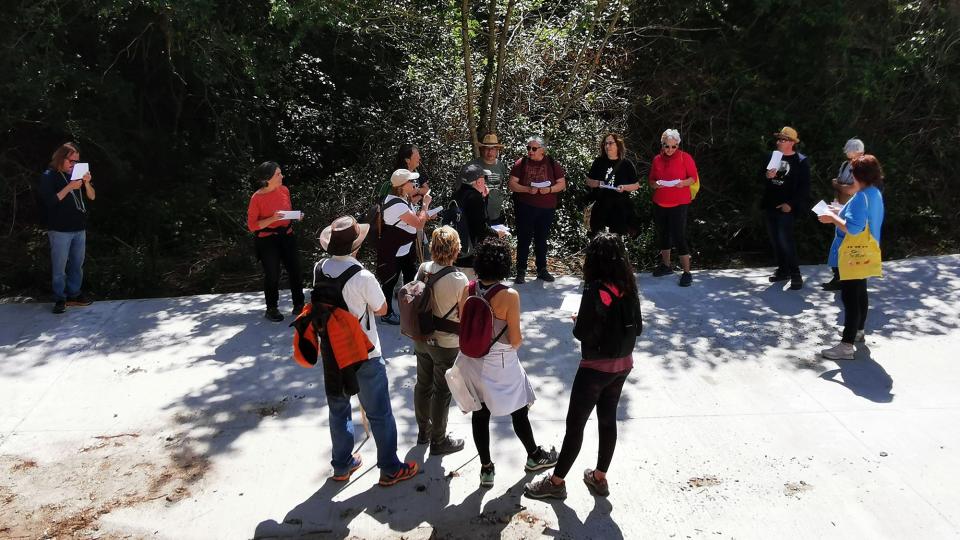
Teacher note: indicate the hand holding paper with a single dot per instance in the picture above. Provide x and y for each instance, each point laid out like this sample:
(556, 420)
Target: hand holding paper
(775, 158)
(79, 170)
(540, 184)
(669, 183)
(434, 211)
(291, 214)
(822, 209)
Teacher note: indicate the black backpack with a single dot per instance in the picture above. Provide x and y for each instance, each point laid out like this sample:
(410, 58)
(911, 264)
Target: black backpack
(617, 330)
(453, 216)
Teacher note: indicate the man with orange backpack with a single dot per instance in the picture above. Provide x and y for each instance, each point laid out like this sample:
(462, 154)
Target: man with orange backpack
(363, 298)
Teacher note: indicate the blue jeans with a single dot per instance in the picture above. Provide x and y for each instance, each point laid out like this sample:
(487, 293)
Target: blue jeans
(67, 250)
(533, 223)
(375, 399)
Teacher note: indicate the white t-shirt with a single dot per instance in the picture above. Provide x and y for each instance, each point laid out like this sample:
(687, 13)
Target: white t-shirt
(392, 215)
(362, 293)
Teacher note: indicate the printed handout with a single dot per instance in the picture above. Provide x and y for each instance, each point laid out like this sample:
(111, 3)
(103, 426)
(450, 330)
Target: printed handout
(434, 211)
(571, 303)
(775, 158)
(79, 169)
(669, 183)
(498, 228)
(291, 214)
(822, 209)
(541, 184)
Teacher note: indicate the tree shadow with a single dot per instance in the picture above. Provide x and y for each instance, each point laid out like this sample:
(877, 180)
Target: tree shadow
(863, 376)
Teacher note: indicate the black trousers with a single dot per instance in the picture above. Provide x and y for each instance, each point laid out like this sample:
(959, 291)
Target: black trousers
(273, 251)
(853, 294)
(533, 225)
(481, 431)
(591, 388)
(406, 265)
(672, 228)
(780, 226)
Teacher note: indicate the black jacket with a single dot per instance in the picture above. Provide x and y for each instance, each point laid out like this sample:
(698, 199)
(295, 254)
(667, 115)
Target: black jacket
(474, 207)
(68, 215)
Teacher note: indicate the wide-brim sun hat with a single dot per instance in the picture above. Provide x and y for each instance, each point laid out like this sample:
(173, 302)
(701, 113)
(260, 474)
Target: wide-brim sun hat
(343, 236)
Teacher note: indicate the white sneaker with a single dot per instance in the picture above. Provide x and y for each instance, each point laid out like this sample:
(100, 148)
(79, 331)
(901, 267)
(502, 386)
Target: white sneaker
(861, 337)
(841, 351)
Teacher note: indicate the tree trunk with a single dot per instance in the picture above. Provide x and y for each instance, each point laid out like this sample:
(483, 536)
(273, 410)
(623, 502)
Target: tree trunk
(468, 74)
(491, 60)
(501, 57)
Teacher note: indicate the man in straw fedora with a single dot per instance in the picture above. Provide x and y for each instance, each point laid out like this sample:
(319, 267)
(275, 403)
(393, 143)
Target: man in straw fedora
(364, 299)
(499, 172)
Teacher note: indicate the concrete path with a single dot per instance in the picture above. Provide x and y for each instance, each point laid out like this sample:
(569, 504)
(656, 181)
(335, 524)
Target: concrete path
(185, 418)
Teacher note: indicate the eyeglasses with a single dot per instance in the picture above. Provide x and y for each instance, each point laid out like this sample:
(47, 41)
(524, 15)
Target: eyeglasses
(532, 148)
(783, 140)
(610, 143)
(74, 161)
(670, 146)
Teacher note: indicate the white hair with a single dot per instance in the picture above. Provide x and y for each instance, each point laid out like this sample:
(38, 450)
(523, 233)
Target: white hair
(670, 134)
(853, 145)
(538, 140)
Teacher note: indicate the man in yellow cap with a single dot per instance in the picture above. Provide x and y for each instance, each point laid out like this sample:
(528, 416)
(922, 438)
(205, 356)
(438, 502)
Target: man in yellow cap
(786, 194)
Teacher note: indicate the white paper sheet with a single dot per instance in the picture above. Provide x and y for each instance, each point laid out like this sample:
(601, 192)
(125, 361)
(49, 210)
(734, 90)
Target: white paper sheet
(571, 303)
(291, 214)
(79, 169)
(434, 211)
(822, 209)
(669, 183)
(608, 186)
(775, 158)
(499, 228)
(543, 183)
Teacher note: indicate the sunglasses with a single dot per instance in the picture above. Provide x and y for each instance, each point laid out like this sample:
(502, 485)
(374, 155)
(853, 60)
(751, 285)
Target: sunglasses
(532, 148)
(670, 146)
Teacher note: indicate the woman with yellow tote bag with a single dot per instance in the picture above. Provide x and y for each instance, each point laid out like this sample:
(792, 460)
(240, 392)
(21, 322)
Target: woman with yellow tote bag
(856, 250)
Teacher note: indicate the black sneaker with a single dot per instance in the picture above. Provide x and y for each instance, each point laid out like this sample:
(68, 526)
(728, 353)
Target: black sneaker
(543, 488)
(662, 270)
(446, 445)
(79, 300)
(778, 276)
(59, 307)
(544, 275)
(686, 279)
(541, 459)
(832, 285)
(273, 314)
(520, 279)
(796, 282)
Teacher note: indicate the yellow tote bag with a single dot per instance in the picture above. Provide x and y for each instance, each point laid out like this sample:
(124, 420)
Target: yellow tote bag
(860, 256)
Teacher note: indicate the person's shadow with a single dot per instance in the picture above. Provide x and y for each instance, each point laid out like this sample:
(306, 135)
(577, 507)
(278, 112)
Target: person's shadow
(598, 524)
(863, 376)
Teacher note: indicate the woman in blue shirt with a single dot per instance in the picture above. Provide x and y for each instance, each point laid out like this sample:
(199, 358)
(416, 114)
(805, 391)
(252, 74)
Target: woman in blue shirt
(864, 209)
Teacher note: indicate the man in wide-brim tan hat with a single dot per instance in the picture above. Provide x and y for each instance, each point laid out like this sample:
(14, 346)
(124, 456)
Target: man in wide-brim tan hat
(364, 298)
(496, 179)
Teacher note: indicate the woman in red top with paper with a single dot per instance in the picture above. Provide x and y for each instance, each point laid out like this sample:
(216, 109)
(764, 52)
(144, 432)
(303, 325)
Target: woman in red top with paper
(672, 172)
(270, 217)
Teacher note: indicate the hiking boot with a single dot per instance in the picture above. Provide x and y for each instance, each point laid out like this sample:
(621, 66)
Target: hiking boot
(273, 314)
(832, 285)
(297, 309)
(406, 471)
(596, 486)
(543, 488)
(446, 445)
(778, 276)
(355, 462)
(840, 351)
(861, 336)
(685, 279)
(392, 319)
(544, 275)
(662, 270)
(487, 472)
(541, 459)
(796, 282)
(79, 300)
(520, 279)
(59, 306)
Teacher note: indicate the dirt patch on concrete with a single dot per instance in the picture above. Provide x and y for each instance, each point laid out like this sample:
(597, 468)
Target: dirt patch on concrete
(703, 481)
(794, 489)
(66, 499)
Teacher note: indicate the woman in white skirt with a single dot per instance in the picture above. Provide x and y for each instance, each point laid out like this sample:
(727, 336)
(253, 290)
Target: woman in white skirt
(498, 380)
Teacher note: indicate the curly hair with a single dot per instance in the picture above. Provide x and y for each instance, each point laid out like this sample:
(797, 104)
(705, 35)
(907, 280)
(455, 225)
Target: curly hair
(444, 245)
(606, 260)
(491, 259)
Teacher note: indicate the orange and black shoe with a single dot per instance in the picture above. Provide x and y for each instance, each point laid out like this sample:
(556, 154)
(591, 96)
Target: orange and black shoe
(355, 463)
(406, 471)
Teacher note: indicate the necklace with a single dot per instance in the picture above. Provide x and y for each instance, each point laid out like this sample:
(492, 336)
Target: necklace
(77, 199)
